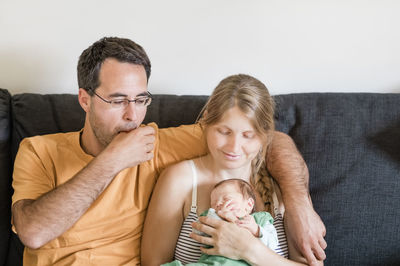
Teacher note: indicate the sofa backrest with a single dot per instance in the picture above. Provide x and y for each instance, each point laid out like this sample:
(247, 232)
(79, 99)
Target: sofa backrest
(36, 114)
(351, 143)
(5, 172)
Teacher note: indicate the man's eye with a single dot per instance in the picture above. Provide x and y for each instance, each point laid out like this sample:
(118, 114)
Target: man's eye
(118, 102)
(141, 101)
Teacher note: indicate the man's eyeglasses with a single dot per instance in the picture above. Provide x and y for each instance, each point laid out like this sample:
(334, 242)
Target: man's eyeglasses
(140, 101)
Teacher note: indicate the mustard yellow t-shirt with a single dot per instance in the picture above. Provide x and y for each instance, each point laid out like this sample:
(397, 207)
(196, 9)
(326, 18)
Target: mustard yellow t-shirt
(109, 233)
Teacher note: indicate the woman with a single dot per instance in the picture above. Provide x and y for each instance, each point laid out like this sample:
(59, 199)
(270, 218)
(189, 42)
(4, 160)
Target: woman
(238, 121)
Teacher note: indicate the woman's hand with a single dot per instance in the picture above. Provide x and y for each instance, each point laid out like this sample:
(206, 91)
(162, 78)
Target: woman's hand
(227, 239)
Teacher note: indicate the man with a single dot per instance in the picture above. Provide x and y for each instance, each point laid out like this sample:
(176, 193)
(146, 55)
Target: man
(81, 197)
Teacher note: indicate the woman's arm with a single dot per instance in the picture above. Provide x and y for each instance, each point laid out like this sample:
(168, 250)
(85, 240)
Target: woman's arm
(306, 228)
(165, 215)
(234, 242)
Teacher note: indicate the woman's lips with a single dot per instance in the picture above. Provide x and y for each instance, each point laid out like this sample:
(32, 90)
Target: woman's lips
(231, 156)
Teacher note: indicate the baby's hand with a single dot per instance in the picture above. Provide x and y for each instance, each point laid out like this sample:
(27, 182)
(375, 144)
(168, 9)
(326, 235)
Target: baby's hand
(250, 224)
(228, 211)
(228, 215)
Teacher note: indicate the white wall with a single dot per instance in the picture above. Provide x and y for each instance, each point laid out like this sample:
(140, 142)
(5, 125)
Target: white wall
(290, 45)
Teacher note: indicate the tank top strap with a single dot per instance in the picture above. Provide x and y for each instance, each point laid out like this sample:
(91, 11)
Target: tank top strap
(193, 208)
(274, 197)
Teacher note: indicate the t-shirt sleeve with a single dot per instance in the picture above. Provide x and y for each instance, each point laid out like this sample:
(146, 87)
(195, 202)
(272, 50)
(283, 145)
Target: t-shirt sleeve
(179, 143)
(30, 178)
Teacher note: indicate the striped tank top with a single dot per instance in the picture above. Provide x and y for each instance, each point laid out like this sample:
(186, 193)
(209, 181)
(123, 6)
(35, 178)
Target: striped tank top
(187, 250)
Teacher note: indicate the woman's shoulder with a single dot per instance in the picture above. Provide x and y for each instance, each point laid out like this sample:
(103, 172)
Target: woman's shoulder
(178, 174)
(180, 168)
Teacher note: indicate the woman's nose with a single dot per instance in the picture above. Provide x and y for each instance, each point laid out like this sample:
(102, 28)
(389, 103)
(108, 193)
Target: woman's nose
(234, 143)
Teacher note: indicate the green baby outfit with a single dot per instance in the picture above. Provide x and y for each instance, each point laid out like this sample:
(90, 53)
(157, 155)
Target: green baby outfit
(268, 236)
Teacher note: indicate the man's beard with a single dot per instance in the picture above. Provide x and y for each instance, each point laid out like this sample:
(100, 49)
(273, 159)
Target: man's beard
(100, 132)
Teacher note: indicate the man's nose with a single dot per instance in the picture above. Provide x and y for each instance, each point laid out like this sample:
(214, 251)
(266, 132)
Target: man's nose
(130, 112)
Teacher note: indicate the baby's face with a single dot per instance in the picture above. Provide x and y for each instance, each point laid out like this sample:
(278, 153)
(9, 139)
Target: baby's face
(227, 197)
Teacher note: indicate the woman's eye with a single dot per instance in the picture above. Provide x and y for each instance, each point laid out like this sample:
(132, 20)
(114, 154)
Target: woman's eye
(223, 132)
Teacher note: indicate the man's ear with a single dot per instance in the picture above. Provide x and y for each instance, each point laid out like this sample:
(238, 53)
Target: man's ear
(84, 99)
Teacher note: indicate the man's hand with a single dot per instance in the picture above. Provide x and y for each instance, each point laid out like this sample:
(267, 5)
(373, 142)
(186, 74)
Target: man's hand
(304, 226)
(131, 148)
(306, 229)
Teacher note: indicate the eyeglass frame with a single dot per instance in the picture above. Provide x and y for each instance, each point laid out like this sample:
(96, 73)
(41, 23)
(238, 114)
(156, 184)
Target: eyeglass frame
(149, 96)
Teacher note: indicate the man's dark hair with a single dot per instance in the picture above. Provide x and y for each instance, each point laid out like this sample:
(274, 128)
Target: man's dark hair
(123, 50)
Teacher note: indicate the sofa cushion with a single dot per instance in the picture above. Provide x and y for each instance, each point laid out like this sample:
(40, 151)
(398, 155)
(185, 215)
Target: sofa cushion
(5, 172)
(173, 110)
(35, 114)
(351, 143)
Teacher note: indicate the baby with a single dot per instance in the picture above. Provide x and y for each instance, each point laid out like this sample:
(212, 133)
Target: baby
(234, 198)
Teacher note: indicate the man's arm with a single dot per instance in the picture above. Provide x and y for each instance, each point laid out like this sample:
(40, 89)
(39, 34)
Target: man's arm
(287, 166)
(40, 221)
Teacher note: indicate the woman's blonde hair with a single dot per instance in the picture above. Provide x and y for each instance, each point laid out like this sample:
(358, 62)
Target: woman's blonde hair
(251, 96)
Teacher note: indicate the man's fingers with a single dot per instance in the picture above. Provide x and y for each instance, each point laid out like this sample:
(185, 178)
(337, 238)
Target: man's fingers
(148, 139)
(309, 255)
(149, 147)
(312, 254)
(146, 130)
(149, 156)
(322, 243)
(319, 252)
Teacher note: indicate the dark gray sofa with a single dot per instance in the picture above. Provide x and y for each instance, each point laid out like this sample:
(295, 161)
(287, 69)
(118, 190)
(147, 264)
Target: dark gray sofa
(351, 143)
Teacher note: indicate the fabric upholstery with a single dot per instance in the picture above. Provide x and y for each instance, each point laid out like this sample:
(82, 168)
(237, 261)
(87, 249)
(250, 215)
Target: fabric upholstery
(36, 114)
(350, 141)
(5, 171)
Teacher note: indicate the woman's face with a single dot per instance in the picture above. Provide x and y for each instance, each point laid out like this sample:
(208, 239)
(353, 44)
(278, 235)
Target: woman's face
(233, 142)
